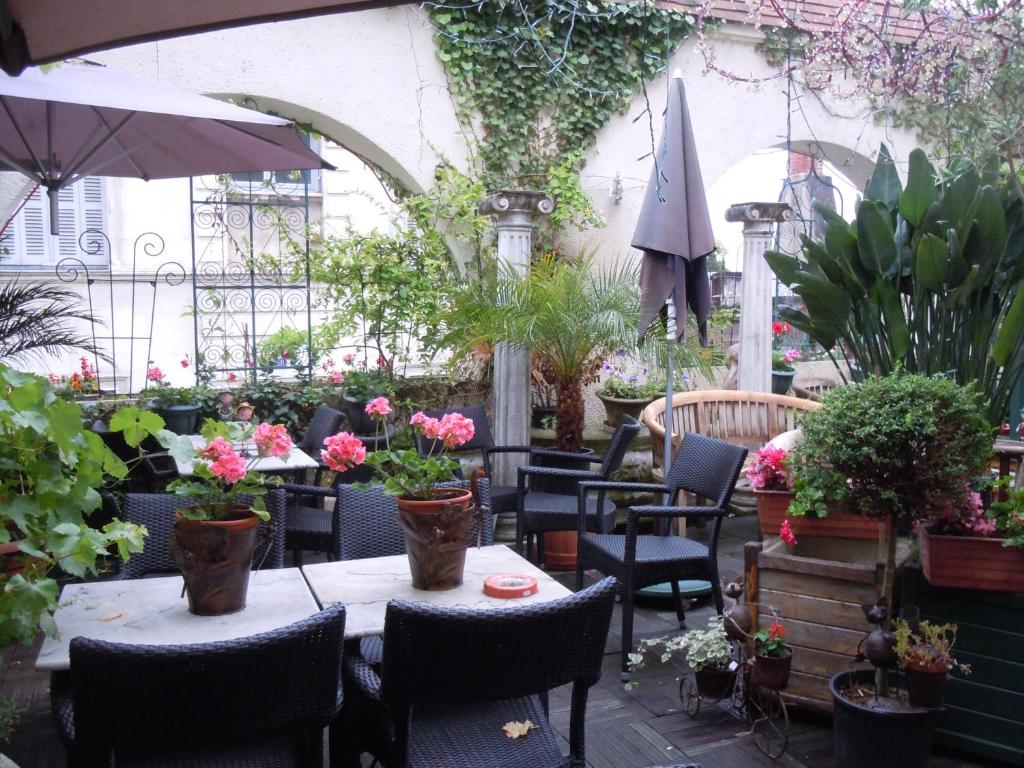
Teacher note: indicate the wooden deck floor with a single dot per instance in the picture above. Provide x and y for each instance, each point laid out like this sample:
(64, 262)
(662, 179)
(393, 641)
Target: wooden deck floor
(625, 729)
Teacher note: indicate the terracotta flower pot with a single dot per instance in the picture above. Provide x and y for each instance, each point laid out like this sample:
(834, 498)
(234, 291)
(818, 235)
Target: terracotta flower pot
(215, 557)
(616, 407)
(971, 562)
(12, 560)
(925, 684)
(772, 671)
(771, 511)
(437, 533)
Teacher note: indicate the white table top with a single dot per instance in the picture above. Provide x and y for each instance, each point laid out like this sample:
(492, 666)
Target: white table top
(296, 459)
(154, 612)
(366, 586)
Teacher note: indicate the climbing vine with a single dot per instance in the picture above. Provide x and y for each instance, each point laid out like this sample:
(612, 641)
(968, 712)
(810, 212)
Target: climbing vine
(534, 80)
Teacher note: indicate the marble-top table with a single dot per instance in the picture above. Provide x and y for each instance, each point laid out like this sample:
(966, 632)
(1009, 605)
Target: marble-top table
(296, 459)
(154, 612)
(365, 586)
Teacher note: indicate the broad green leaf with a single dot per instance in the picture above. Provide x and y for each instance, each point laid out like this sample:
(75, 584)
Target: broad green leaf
(178, 446)
(886, 298)
(931, 262)
(921, 191)
(990, 222)
(884, 184)
(826, 335)
(135, 424)
(785, 267)
(1010, 331)
(875, 239)
(65, 425)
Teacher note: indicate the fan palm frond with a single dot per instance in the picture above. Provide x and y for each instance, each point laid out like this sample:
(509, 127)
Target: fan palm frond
(36, 321)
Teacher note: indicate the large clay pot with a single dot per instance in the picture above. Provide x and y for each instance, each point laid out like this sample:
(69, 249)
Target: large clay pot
(215, 558)
(971, 562)
(616, 407)
(772, 671)
(437, 533)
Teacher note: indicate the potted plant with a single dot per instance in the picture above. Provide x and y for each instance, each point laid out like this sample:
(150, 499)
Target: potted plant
(436, 520)
(969, 547)
(626, 393)
(924, 652)
(772, 657)
(177, 406)
(214, 533)
(895, 448)
(707, 653)
(771, 479)
(361, 386)
(52, 470)
(782, 360)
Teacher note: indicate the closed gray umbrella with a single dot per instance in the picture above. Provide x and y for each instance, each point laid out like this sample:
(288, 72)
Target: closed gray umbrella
(674, 228)
(674, 232)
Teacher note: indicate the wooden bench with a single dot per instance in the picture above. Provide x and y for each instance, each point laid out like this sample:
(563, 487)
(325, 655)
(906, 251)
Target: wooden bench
(750, 419)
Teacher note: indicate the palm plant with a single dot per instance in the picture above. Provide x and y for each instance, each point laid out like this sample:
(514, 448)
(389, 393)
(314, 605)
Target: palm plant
(35, 321)
(570, 314)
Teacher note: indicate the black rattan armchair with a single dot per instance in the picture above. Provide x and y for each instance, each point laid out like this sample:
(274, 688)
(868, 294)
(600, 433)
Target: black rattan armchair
(452, 677)
(539, 512)
(156, 512)
(503, 497)
(257, 702)
(703, 466)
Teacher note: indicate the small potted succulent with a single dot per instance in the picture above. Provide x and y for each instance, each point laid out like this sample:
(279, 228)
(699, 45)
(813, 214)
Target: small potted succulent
(177, 406)
(215, 529)
(625, 392)
(772, 657)
(782, 359)
(924, 652)
(707, 652)
(435, 519)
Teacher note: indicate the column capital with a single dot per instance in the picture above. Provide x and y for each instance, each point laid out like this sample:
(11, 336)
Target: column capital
(520, 206)
(758, 215)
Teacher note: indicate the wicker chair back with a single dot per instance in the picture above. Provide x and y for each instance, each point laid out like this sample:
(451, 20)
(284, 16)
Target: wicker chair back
(626, 431)
(435, 654)
(152, 698)
(707, 467)
(326, 421)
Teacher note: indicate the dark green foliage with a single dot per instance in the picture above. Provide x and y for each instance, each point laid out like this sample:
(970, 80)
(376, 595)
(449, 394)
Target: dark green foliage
(905, 445)
(279, 402)
(926, 279)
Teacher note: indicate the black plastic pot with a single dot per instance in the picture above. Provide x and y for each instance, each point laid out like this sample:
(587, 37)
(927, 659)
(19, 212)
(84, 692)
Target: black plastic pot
(782, 381)
(539, 413)
(869, 738)
(355, 412)
(180, 419)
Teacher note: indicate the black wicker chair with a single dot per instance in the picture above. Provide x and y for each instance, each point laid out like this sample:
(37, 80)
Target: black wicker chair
(156, 512)
(539, 512)
(705, 467)
(452, 677)
(257, 702)
(503, 497)
(325, 422)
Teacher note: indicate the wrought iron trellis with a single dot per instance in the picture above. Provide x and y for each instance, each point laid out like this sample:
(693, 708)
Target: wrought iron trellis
(250, 274)
(72, 269)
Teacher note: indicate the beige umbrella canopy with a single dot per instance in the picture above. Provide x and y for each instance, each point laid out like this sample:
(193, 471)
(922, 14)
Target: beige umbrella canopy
(39, 31)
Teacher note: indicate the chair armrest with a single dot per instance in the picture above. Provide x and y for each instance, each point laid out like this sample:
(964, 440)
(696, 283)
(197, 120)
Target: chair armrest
(574, 474)
(509, 449)
(309, 490)
(589, 457)
(359, 671)
(669, 511)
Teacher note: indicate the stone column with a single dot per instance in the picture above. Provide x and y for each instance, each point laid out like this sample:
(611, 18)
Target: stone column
(755, 363)
(514, 212)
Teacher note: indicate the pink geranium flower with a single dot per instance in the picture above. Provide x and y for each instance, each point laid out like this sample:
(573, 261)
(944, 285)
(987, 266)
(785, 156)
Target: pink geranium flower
(343, 451)
(272, 440)
(379, 407)
(184, 363)
(455, 429)
(786, 532)
(230, 468)
(216, 449)
(154, 374)
(336, 377)
(348, 358)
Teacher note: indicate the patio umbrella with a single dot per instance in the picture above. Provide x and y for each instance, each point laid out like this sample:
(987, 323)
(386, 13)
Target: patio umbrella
(84, 120)
(674, 232)
(39, 31)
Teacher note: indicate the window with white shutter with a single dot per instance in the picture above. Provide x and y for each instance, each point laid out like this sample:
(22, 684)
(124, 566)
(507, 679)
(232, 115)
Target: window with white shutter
(27, 242)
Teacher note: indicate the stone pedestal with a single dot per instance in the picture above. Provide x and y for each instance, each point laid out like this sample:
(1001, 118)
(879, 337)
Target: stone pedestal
(755, 360)
(514, 212)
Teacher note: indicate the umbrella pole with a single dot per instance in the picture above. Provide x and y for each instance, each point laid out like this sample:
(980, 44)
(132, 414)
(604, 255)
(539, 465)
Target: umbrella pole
(670, 338)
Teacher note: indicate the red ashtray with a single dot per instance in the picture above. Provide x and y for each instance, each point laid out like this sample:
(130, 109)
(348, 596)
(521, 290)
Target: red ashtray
(508, 586)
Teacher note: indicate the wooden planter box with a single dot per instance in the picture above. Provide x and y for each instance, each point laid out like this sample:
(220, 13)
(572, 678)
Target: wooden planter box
(971, 562)
(983, 712)
(817, 587)
(771, 511)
